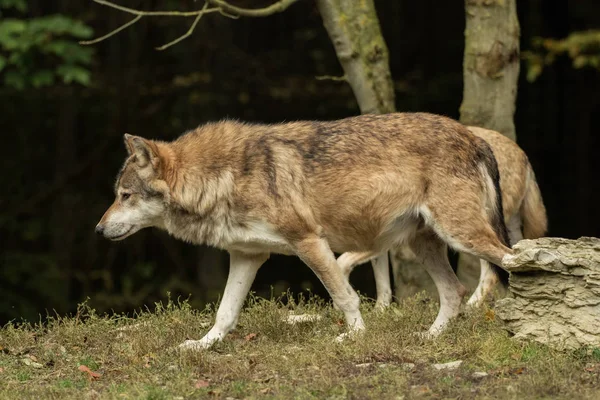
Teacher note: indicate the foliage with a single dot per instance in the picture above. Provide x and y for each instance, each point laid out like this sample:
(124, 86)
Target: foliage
(94, 356)
(36, 52)
(582, 47)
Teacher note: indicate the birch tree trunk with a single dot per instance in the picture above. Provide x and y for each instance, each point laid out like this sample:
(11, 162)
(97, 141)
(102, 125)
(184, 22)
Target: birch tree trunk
(491, 65)
(353, 28)
(490, 73)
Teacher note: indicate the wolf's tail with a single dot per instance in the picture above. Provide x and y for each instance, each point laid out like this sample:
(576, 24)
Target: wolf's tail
(533, 212)
(494, 207)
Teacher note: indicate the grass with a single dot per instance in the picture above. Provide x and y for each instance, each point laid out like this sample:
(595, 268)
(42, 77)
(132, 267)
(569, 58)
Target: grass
(134, 358)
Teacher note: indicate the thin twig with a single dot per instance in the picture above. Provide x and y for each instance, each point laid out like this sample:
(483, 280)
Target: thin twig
(274, 8)
(119, 29)
(185, 35)
(155, 13)
(221, 7)
(342, 78)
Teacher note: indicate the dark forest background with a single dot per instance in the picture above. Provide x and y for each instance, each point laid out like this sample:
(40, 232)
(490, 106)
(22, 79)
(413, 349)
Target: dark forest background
(65, 109)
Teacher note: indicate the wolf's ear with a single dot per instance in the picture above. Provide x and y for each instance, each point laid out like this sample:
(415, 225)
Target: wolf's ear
(140, 148)
(127, 140)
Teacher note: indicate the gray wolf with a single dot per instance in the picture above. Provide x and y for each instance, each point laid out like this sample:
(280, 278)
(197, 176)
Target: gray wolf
(310, 188)
(524, 214)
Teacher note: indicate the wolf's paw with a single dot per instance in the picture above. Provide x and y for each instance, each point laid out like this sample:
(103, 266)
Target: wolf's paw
(351, 334)
(381, 305)
(194, 345)
(475, 301)
(341, 338)
(431, 334)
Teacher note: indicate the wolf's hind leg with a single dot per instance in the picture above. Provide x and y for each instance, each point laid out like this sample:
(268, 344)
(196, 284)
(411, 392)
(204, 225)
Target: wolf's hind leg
(487, 277)
(381, 270)
(242, 271)
(431, 251)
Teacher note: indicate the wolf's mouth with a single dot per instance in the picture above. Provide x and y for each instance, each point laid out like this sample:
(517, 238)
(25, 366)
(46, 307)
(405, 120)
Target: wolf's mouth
(122, 236)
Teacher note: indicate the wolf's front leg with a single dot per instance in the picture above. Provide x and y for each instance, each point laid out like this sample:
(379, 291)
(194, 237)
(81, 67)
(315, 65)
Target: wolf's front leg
(242, 271)
(315, 252)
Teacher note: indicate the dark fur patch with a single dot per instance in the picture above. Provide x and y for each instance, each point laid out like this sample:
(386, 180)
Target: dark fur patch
(260, 149)
(498, 223)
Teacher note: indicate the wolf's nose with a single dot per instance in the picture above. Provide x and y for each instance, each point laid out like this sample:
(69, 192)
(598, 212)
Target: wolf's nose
(99, 229)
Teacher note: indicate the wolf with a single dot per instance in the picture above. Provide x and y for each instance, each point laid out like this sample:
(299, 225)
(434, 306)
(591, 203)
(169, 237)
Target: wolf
(524, 214)
(309, 188)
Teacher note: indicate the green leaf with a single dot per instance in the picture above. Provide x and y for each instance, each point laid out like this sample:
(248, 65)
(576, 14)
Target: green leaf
(70, 52)
(11, 32)
(61, 25)
(41, 78)
(533, 72)
(19, 5)
(74, 73)
(580, 61)
(2, 62)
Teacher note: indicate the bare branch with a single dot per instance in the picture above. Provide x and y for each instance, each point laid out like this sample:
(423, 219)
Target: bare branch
(342, 78)
(185, 35)
(155, 13)
(119, 29)
(274, 8)
(221, 7)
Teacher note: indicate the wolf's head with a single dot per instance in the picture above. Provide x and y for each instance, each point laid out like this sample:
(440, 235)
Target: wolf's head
(142, 194)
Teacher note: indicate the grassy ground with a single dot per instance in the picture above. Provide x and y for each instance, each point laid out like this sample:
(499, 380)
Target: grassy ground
(89, 356)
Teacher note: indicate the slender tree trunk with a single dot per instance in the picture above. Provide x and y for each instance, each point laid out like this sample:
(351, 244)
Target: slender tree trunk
(491, 65)
(354, 30)
(491, 72)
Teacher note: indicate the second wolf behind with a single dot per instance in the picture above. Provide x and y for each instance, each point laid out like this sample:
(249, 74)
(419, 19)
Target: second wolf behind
(524, 213)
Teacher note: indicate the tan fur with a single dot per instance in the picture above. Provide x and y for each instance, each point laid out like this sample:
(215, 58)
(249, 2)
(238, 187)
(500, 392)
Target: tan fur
(533, 212)
(306, 188)
(524, 210)
(520, 191)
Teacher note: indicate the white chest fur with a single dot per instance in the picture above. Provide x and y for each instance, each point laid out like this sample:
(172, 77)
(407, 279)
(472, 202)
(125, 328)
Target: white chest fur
(257, 237)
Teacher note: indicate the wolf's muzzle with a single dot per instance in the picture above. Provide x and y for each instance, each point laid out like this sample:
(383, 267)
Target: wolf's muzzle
(99, 229)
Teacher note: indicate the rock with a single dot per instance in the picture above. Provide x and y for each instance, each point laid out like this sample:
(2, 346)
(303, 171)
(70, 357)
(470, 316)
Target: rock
(479, 375)
(29, 362)
(408, 366)
(363, 365)
(554, 292)
(450, 366)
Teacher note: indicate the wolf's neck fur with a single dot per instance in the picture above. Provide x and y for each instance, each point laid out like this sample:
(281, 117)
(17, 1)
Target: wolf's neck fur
(201, 210)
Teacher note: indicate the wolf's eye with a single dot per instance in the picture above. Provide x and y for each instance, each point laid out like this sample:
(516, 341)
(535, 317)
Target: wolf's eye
(125, 196)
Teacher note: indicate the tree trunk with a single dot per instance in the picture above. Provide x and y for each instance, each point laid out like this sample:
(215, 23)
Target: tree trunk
(491, 65)
(555, 292)
(491, 72)
(410, 277)
(354, 30)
